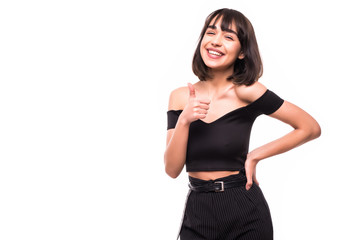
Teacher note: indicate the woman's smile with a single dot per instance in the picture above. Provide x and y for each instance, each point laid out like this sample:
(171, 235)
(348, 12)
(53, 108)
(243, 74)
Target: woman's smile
(214, 53)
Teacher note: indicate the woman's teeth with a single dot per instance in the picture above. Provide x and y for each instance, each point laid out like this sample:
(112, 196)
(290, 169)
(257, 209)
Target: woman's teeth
(215, 53)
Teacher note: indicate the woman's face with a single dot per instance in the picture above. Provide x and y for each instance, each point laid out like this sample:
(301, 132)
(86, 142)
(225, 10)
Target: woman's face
(219, 49)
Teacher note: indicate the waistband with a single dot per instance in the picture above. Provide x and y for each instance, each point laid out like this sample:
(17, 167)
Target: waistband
(219, 184)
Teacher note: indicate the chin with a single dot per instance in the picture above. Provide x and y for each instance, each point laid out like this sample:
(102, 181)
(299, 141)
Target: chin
(217, 67)
(213, 64)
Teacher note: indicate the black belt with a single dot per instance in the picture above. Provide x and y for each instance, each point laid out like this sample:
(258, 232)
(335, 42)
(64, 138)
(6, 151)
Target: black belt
(217, 186)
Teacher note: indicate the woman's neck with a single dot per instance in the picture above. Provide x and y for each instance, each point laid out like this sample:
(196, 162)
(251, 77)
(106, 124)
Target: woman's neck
(219, 77)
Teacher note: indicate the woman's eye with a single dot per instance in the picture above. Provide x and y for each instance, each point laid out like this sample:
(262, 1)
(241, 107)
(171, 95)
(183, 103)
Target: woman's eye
(230, 37)
(210, 33)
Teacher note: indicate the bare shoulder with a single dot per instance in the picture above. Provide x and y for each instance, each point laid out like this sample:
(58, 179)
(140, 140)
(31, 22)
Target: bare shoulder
(250, 93)
(178, 98)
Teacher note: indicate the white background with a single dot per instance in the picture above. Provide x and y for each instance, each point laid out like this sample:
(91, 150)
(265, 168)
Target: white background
(83, 99)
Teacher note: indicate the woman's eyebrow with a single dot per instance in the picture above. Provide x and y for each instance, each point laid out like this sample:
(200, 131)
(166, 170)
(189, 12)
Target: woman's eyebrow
(223, 29)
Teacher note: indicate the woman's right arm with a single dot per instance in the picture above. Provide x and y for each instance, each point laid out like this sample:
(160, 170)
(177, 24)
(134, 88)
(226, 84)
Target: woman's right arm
(177, 138)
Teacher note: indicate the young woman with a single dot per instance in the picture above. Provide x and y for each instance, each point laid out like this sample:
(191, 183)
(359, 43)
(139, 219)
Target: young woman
(209, 126)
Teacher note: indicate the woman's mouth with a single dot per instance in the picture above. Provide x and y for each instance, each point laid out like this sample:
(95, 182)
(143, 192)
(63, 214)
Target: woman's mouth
(213, 53)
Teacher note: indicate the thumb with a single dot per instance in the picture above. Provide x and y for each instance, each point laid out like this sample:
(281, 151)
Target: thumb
(249, 182)
(191, 90)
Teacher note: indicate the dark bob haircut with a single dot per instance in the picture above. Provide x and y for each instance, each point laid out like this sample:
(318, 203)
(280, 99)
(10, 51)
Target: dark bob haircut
(246, 70)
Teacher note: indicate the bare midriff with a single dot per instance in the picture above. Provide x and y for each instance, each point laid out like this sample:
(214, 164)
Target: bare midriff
(212, 174)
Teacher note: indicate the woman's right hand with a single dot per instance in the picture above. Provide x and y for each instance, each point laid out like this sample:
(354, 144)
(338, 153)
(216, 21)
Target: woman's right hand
(195, 108)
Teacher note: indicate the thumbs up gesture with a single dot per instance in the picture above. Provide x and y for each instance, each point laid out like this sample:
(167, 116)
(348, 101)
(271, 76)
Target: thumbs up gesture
(196, 108)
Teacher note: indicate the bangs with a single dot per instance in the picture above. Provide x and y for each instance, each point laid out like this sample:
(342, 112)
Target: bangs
(229, 18)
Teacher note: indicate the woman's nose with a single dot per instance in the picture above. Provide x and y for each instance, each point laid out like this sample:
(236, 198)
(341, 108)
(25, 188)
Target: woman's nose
(216, 41)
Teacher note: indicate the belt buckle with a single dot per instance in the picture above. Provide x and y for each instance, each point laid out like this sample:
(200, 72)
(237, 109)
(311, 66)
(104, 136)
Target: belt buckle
(222, 186)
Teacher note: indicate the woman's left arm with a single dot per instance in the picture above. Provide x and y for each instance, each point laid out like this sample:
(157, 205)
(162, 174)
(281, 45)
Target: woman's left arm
(305, 127)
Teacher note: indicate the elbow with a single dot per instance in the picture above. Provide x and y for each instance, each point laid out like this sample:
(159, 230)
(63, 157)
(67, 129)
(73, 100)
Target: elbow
(309, 132)
(315, 131)
(171, 172)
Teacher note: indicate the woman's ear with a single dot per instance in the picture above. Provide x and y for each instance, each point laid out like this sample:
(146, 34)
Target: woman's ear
(241, 56)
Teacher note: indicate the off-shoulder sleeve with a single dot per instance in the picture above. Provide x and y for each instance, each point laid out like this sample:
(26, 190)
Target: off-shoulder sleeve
(268, 103)
(172, 117)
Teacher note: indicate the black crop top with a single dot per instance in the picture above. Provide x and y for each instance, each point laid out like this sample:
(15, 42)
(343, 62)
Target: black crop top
(223, 144)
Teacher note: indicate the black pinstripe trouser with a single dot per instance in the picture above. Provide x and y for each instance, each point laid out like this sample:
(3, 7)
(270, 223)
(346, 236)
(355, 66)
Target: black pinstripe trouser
(236, 213)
